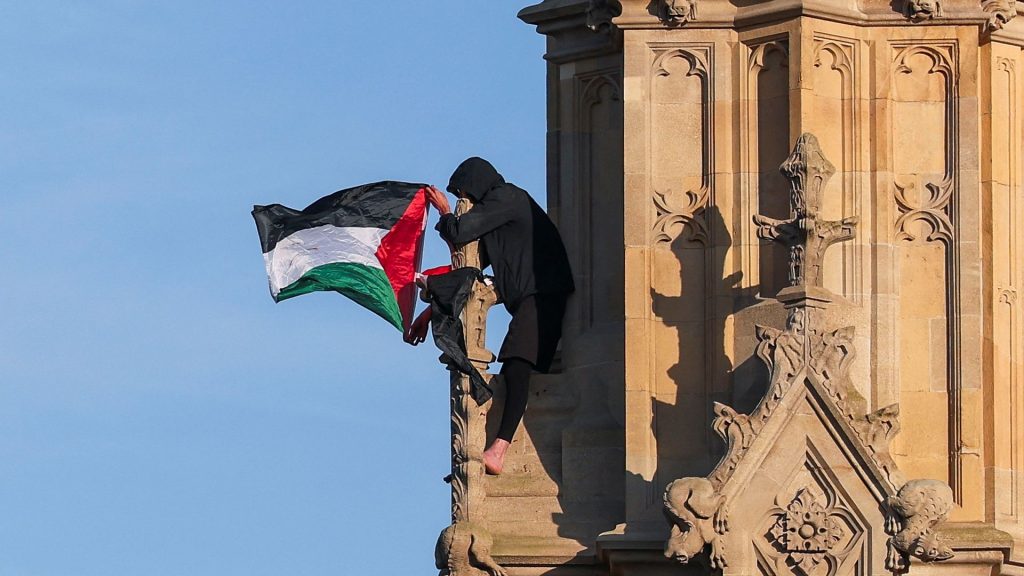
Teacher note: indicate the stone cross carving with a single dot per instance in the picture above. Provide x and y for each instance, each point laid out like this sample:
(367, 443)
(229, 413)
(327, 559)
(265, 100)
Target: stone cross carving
(805, 234)
(463, 549)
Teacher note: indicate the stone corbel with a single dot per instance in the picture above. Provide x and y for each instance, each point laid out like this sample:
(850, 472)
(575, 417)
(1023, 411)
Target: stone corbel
(680, 11)
(921, 10)
(1000, 13)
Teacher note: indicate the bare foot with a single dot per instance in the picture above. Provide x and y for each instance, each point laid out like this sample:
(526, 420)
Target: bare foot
(494, 456)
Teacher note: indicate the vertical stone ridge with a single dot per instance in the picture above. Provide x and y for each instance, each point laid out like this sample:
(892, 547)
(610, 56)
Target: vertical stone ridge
(464, 547)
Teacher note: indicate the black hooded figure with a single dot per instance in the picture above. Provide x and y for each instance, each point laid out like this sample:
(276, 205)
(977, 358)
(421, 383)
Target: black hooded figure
(531, 274)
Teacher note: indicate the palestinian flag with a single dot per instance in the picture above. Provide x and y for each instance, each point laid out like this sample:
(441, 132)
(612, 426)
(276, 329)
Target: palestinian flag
(364, 242)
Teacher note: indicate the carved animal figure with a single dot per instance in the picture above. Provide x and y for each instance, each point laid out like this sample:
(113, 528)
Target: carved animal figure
(918, 507)
(464, 549)
(919, 10)
(698, 517)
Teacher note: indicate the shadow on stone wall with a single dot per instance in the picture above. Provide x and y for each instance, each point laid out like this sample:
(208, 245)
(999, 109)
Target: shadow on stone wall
(687, 445)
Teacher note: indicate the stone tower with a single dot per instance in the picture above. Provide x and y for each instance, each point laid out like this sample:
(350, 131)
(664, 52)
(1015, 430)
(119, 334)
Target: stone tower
(734, 395)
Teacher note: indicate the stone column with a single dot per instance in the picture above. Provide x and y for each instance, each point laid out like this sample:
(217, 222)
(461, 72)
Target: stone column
(464, 548)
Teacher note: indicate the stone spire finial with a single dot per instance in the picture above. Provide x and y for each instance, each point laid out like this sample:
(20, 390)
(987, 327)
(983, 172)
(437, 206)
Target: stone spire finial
(804, 233)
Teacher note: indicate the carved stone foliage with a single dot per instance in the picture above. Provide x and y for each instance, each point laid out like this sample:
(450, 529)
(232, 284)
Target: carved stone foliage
(1000, 13)
(930, 208)
(911, 516)
(877, 431)
(699, 518)
(806, 531)
(679, 11)
(921, 10)
(682, 213)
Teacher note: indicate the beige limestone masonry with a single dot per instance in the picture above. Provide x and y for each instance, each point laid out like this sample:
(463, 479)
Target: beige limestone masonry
(667, 123)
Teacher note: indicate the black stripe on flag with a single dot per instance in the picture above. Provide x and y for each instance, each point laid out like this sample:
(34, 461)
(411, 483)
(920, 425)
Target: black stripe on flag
(377, 205)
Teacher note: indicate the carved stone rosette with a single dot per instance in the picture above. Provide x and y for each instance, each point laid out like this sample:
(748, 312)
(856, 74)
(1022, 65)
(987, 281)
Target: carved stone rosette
(808, 363)
(806, 531)
(463, 549)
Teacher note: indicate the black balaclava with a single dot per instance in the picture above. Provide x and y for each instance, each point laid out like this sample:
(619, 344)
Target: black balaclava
(474, 177)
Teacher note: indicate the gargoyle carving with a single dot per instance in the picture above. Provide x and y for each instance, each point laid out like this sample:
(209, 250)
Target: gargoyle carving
(464, 549)
(698, 517)
(1000, 13)
(911, 517)
(681, 11)
(921, 10)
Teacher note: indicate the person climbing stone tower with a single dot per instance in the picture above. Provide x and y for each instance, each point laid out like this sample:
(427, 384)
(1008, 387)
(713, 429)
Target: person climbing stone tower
(531, 273)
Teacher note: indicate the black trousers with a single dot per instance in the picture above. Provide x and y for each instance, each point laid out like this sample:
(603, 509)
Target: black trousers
(530, 344)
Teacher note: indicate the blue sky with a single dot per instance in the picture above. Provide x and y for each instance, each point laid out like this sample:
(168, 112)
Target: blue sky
(159, 414)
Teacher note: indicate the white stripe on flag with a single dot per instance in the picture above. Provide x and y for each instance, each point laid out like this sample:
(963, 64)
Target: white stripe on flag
(306, 249)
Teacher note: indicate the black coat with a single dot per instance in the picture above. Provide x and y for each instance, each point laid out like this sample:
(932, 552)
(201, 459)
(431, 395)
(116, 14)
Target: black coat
(520, 242)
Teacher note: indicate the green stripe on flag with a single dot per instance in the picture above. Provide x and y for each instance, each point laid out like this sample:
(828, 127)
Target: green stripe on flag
(366, 285)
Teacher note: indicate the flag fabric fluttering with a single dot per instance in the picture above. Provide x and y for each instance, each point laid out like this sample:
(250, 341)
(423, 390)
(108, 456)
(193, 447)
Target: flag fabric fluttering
(364, 242)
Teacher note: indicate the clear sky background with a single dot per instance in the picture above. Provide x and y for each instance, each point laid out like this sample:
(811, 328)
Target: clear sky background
(159, 414)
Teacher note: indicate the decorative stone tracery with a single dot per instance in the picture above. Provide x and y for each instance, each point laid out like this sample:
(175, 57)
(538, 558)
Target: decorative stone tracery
(808, 363)
(806, 531)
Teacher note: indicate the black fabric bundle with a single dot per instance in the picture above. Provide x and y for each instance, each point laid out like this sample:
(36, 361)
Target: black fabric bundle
(448, 296)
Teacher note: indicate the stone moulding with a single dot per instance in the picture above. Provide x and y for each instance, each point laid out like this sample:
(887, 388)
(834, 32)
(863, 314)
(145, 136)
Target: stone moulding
(684, 214)
(937, 207)
(811, 530)
(660, 14)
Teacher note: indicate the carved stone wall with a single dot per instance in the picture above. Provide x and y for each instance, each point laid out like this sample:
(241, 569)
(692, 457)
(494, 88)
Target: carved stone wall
(668, 122)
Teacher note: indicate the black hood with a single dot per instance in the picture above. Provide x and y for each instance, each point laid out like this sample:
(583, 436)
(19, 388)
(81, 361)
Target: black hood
(475, 177)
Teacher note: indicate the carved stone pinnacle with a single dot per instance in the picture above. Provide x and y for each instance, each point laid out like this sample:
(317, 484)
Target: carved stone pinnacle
(806, 236)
